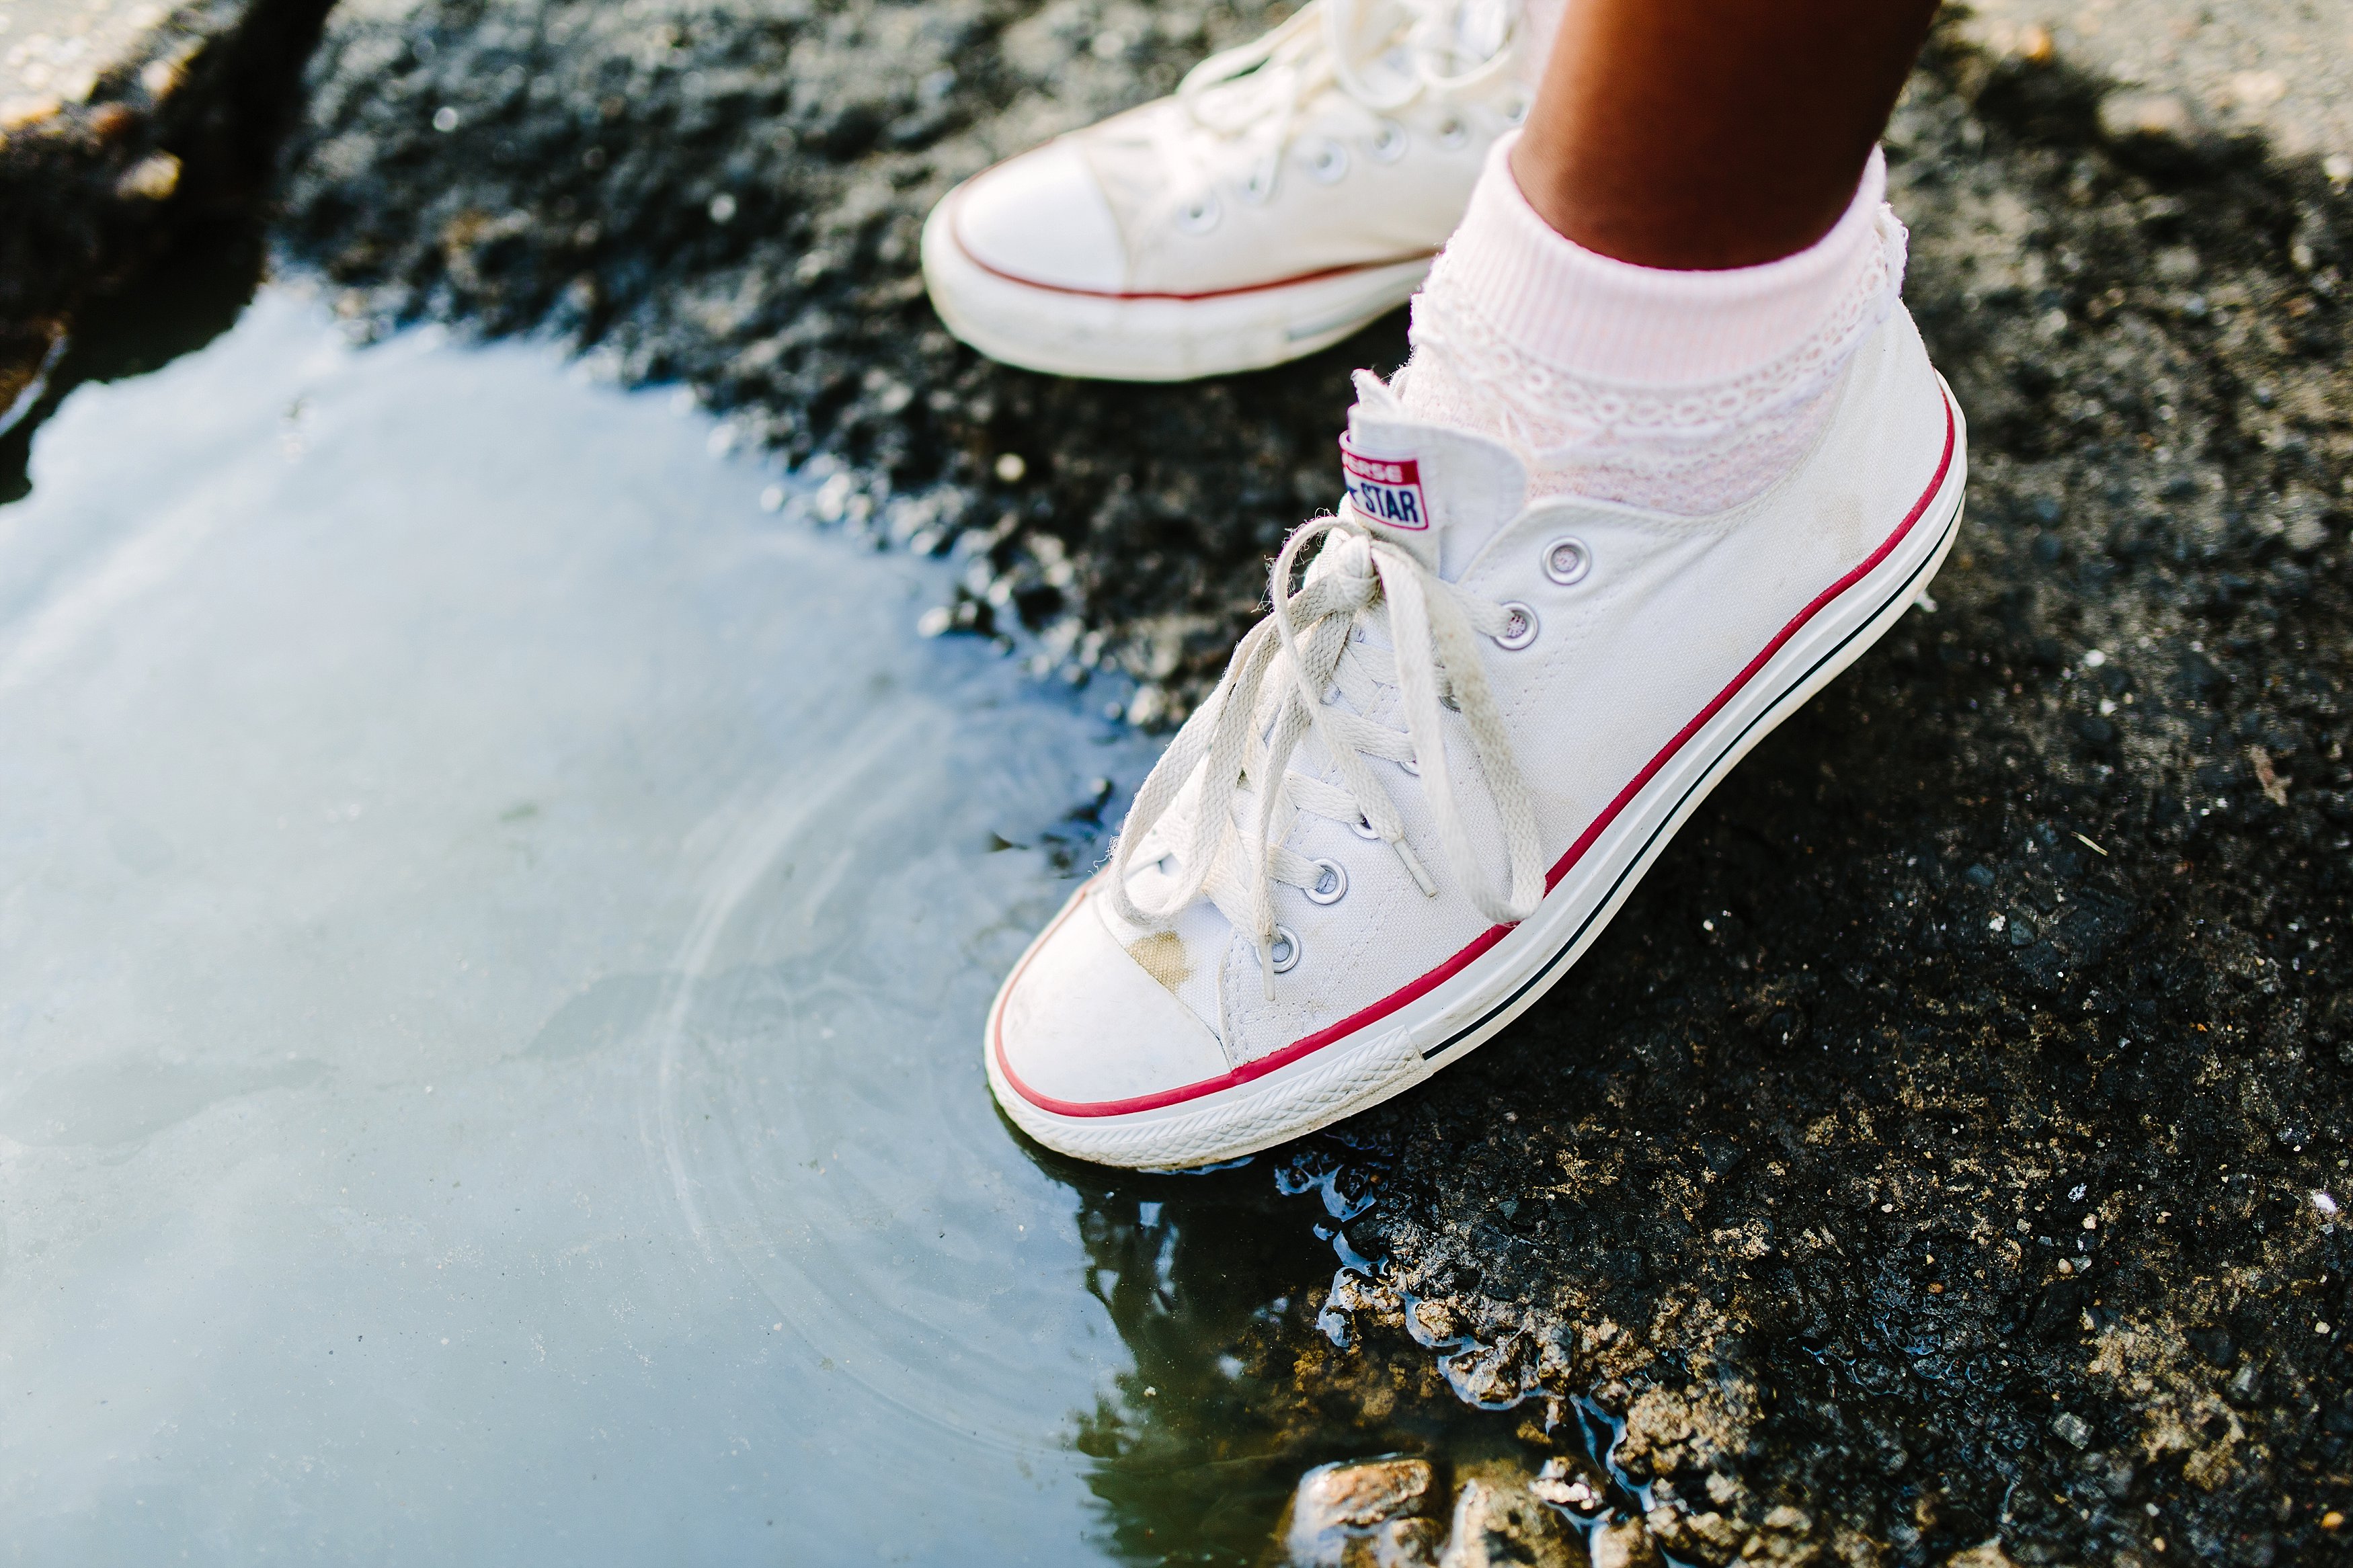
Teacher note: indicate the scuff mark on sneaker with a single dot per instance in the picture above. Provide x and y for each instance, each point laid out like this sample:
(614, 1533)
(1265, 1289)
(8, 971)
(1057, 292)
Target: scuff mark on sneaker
(1164, 958)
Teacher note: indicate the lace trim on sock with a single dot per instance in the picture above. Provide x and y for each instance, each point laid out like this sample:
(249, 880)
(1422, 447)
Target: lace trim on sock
(1689, 449)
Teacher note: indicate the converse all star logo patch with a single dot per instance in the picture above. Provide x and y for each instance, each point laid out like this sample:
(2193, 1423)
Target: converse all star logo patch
(1385, 490)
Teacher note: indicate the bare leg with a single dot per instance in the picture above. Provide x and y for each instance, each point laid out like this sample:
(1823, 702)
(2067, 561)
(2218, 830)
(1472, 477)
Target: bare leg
(1699, 134)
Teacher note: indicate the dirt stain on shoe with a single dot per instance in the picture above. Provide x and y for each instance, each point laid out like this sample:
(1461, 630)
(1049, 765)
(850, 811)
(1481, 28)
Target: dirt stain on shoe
(1163, 956)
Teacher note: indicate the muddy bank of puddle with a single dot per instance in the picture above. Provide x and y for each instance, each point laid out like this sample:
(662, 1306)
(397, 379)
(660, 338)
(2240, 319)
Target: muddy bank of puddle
(493, 930)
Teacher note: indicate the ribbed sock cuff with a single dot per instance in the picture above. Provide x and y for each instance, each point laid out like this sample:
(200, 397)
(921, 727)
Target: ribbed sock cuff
(1596, 317)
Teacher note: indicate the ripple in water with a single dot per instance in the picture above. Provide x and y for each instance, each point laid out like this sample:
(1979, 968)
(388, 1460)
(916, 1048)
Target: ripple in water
(823, 1109)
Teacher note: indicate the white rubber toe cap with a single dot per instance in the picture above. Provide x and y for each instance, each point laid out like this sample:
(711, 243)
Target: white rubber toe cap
(1084, 1031)
(1041, 218)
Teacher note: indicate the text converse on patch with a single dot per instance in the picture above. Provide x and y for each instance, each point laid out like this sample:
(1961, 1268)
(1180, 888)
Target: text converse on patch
(1385, 490)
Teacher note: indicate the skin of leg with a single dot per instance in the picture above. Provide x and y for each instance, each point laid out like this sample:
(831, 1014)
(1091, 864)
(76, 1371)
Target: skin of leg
(1700, 134)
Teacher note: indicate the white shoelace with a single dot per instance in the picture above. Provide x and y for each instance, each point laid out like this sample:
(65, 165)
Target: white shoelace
(1325, 44)
(1277, 689)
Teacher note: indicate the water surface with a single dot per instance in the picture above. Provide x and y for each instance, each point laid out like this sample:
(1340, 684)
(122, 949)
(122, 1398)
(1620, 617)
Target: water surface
(493, 931)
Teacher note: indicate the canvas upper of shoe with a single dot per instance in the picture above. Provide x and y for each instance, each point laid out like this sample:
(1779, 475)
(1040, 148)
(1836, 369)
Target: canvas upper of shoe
(1622, 631)
(1350, 136)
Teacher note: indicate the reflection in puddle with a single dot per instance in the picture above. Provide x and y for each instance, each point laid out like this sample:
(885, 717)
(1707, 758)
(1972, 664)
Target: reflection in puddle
(493, 931)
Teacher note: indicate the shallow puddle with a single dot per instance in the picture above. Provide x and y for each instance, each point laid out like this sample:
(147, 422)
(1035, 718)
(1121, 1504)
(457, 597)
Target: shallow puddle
(493, 932)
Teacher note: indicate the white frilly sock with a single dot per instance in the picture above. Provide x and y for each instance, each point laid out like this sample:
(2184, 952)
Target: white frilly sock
(1686, 392)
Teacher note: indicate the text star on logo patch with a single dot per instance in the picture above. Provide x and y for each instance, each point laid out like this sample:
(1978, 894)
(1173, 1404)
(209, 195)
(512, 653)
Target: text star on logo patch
(1386, 491)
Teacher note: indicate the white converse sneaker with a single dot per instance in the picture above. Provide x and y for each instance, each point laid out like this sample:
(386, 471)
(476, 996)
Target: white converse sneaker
(1290, 191)
(1487, 718)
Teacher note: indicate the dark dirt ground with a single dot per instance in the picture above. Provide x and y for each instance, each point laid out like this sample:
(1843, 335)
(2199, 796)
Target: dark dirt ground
(1931, 1154)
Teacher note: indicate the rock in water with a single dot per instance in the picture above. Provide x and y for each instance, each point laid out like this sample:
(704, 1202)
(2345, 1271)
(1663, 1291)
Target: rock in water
(1399, 1543)
(1363, 1514)
(1626, 1543)
(1499, 1524)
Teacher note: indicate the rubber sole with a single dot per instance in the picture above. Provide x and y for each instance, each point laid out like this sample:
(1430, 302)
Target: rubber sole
(1153, 338)
(1471, 1005)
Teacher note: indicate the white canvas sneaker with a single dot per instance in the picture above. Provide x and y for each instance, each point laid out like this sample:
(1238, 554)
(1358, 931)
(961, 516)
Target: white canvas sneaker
(1486, 718)
(1290, 191)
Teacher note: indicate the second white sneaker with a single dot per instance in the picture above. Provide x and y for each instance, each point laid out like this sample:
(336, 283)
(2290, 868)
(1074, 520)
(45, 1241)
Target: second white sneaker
(1436, 770)
(1289, 192)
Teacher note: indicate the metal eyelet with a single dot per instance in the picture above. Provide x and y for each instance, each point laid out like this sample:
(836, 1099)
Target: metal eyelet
(1516, 111)
(1566, 561)
(1331, 883)
(1328, 162)
(1409, 765)
(1453, 133)
(1200, 215)
(1282, 953)
(1387, 144)
(1259, 184)
(1363, 827)
(1518, 631)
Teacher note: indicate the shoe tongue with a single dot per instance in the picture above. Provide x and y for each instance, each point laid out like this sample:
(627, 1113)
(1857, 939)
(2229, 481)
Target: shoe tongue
(1440, 492)
(1462, 42)
(1481, 27)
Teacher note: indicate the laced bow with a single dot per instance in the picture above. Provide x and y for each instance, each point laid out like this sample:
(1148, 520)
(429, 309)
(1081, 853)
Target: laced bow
(1326, 43)
(1223, 795)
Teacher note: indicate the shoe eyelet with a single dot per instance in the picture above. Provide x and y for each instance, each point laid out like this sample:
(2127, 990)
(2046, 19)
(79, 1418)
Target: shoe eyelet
(1200, 215)
(1258, 184)
(1363, 827)
(1566, 561)
(1283, 952)
(1327, 163)
(1516, 111)
(1409, 765)
(1520, 630)
(1387, 144)
(1331, 883)
(1453, 133)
